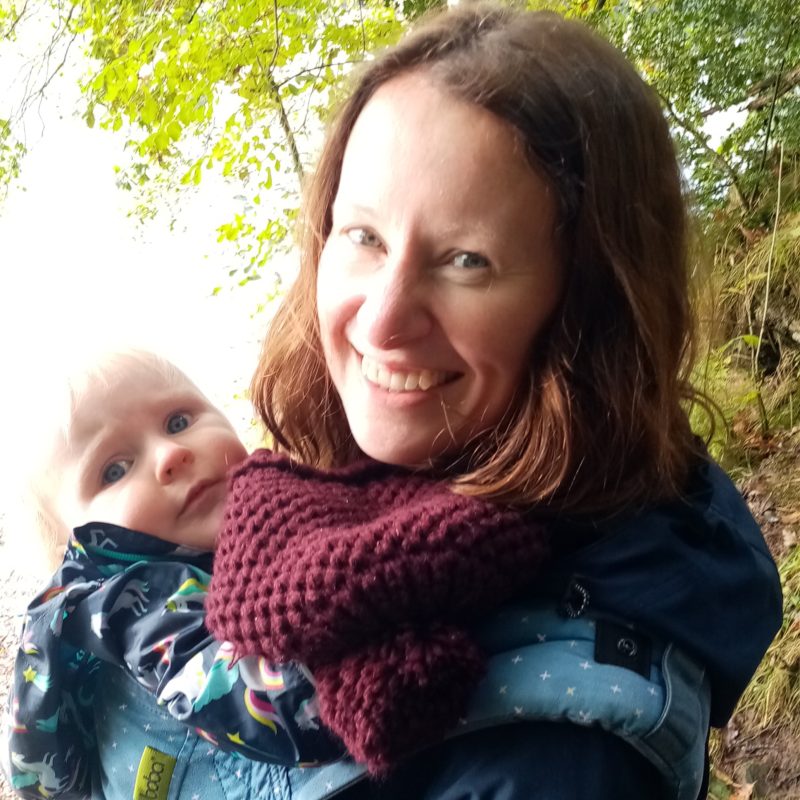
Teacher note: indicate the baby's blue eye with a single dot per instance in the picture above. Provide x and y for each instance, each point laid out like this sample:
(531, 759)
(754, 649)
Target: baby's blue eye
(115, 472)
(177, 423)
(468, 260)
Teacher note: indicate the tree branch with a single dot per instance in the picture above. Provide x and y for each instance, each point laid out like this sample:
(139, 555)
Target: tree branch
(277, 37)
(308, 102)
(286, 127)
(363, 30)
(770, 119)
(274, 90)
(762, 92)
(196, 9)
(769, 260)
(10, 32)
(317, 68)
(702, 140)
(771, 116)
(30, 97)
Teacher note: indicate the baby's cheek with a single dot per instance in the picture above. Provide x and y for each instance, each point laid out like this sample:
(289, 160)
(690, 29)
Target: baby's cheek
(235, 455)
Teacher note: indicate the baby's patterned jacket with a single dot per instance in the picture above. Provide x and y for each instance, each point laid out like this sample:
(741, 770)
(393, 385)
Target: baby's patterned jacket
(125, 606)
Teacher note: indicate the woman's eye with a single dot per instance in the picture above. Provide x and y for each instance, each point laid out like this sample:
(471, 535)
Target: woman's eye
(177, 423)
(115, 471)
(363, 237)
(470, 260)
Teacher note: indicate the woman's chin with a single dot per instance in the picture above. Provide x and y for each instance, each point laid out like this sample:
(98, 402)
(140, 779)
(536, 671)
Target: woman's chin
(403, 451)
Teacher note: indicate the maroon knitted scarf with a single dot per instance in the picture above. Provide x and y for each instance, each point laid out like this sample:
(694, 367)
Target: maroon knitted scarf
(367, 574)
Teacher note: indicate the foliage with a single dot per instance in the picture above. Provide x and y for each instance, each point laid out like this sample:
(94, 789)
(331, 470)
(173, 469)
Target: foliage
(771, 260)
(732, 390)
(11, 152)
(233, 86)
(412, 9)
(11, 149)
(773, 697)
(705, 57)
(239, 88)
(756, 341)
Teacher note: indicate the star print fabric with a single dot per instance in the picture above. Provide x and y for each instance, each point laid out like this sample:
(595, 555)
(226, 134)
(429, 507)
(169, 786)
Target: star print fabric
(123, 602)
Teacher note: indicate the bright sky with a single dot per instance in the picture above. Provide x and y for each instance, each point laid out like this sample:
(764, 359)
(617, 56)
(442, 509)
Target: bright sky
(76, 272)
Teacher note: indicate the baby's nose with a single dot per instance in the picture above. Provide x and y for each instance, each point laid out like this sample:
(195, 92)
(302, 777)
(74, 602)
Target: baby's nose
(172, 459)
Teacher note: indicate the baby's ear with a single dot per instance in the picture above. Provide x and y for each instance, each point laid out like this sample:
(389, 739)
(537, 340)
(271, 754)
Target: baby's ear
(36, 539)
(53, 537)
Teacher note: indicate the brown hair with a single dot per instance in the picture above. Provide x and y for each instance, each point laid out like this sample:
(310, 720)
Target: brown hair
(599, 424)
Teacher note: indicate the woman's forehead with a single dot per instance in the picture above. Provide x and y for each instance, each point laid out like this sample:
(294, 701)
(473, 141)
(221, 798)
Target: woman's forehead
(418, 151)
(409, 114)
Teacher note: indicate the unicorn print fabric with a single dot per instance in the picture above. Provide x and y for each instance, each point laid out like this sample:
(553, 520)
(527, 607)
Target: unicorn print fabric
(129, 603)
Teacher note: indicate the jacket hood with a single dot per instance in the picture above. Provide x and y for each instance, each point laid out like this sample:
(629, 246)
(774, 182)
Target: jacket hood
(695, 571)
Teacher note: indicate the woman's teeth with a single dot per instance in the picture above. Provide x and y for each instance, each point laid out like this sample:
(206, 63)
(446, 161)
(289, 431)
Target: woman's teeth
(399, 381)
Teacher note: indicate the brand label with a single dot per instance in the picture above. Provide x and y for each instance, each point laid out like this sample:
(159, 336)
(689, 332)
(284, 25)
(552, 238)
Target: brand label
(154, 775)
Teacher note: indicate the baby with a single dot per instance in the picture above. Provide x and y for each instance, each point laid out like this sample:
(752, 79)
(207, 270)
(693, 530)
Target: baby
(134, 488)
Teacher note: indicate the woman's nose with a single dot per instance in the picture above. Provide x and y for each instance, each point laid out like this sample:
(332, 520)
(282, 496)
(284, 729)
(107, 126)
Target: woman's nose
(171, 460)
(394, 311)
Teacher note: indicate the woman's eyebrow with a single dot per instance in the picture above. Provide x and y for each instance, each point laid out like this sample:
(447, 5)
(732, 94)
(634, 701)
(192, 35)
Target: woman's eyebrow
(356, 208)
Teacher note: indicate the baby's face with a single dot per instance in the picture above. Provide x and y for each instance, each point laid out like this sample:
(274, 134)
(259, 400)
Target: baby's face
(149, 454)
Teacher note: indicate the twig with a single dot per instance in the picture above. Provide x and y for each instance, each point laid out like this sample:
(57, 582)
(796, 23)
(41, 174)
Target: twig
(16, 21)
(287, 129)
(769, 126)
(277, 37)
(31, 97)
(192, 15)
(770, 257)
(363, 32)
(316, 68)
(308, 102)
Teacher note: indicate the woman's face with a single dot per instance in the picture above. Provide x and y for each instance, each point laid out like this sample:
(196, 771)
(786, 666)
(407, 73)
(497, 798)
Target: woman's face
(440, 269)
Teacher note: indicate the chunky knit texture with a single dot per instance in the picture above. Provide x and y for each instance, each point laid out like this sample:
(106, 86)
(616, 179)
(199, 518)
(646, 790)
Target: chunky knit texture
(366, 574)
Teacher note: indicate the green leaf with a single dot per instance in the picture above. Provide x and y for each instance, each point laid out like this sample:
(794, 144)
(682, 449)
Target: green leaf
(751, 340)
(174, 130)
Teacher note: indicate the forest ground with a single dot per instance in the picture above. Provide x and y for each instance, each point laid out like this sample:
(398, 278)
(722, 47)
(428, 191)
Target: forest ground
(752, 762)
(758, 761)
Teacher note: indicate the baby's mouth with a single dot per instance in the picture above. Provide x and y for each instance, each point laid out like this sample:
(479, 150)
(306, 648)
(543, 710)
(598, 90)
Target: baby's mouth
(195, 493)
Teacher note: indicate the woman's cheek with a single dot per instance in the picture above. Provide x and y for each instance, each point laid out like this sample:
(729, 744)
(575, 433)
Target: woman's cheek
(326, 299)
(337, 304)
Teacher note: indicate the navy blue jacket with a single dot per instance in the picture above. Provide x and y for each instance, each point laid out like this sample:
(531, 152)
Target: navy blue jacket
(695, 571)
